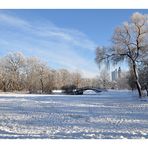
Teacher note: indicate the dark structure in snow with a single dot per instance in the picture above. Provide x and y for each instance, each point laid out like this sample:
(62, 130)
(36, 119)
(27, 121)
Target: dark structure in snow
(79, 91)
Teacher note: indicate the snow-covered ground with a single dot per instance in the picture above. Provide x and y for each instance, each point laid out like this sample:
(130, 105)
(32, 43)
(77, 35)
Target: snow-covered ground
(112, 114)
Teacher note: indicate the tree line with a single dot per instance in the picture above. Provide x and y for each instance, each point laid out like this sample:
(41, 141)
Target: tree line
(30, 74)
(20, 73)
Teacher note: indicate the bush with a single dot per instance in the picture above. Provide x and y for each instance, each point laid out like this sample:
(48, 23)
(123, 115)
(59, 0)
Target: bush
(68, 89)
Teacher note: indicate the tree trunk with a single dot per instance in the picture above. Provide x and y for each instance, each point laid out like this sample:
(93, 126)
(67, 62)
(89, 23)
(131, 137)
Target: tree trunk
(137, 79)
(4, 86)
(42, 85)
(146, 90)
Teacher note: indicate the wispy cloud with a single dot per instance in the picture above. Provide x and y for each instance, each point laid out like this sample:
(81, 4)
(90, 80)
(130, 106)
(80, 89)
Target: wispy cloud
(14, 21)
(60, 46)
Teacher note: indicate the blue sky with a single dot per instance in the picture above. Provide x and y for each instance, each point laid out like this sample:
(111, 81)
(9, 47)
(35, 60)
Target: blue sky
(62, 38)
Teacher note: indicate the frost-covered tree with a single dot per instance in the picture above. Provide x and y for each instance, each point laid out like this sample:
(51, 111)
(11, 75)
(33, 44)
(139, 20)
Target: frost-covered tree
(11, 70)
(37, 75)
(104, 78)
(4, 81)
(49, 80)
(43, 74)
(76, 79)
(65, 77)
(130, 43)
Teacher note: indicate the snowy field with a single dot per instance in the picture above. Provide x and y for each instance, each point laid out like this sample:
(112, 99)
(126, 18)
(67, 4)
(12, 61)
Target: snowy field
(108, 115)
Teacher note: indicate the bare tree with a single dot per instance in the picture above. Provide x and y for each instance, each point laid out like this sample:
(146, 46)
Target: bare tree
(12, 69)
(43, 74)
(65, 77)
(129, 43)
(3, 76)
(104, 78)
(49, 80)
(76, 78)
(32, 75)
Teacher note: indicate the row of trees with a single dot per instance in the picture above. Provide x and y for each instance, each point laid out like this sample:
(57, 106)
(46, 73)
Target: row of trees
(130, 43)
(20, 73)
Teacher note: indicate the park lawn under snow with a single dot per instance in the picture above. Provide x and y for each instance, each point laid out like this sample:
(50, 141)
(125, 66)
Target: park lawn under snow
(112, 114)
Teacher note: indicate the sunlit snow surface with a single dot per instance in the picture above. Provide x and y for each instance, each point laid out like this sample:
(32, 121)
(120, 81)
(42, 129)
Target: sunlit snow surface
(105, 115)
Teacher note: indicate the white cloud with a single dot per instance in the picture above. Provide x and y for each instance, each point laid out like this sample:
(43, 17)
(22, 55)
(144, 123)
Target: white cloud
(14, 21)
(59, 45)
(50, 30)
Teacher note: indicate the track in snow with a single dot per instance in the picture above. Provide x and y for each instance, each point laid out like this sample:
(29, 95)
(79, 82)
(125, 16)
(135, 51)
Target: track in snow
(113, 114)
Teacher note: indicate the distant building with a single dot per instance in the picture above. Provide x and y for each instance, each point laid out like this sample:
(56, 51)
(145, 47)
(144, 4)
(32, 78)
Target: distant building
(119, 73)
(116, 74)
